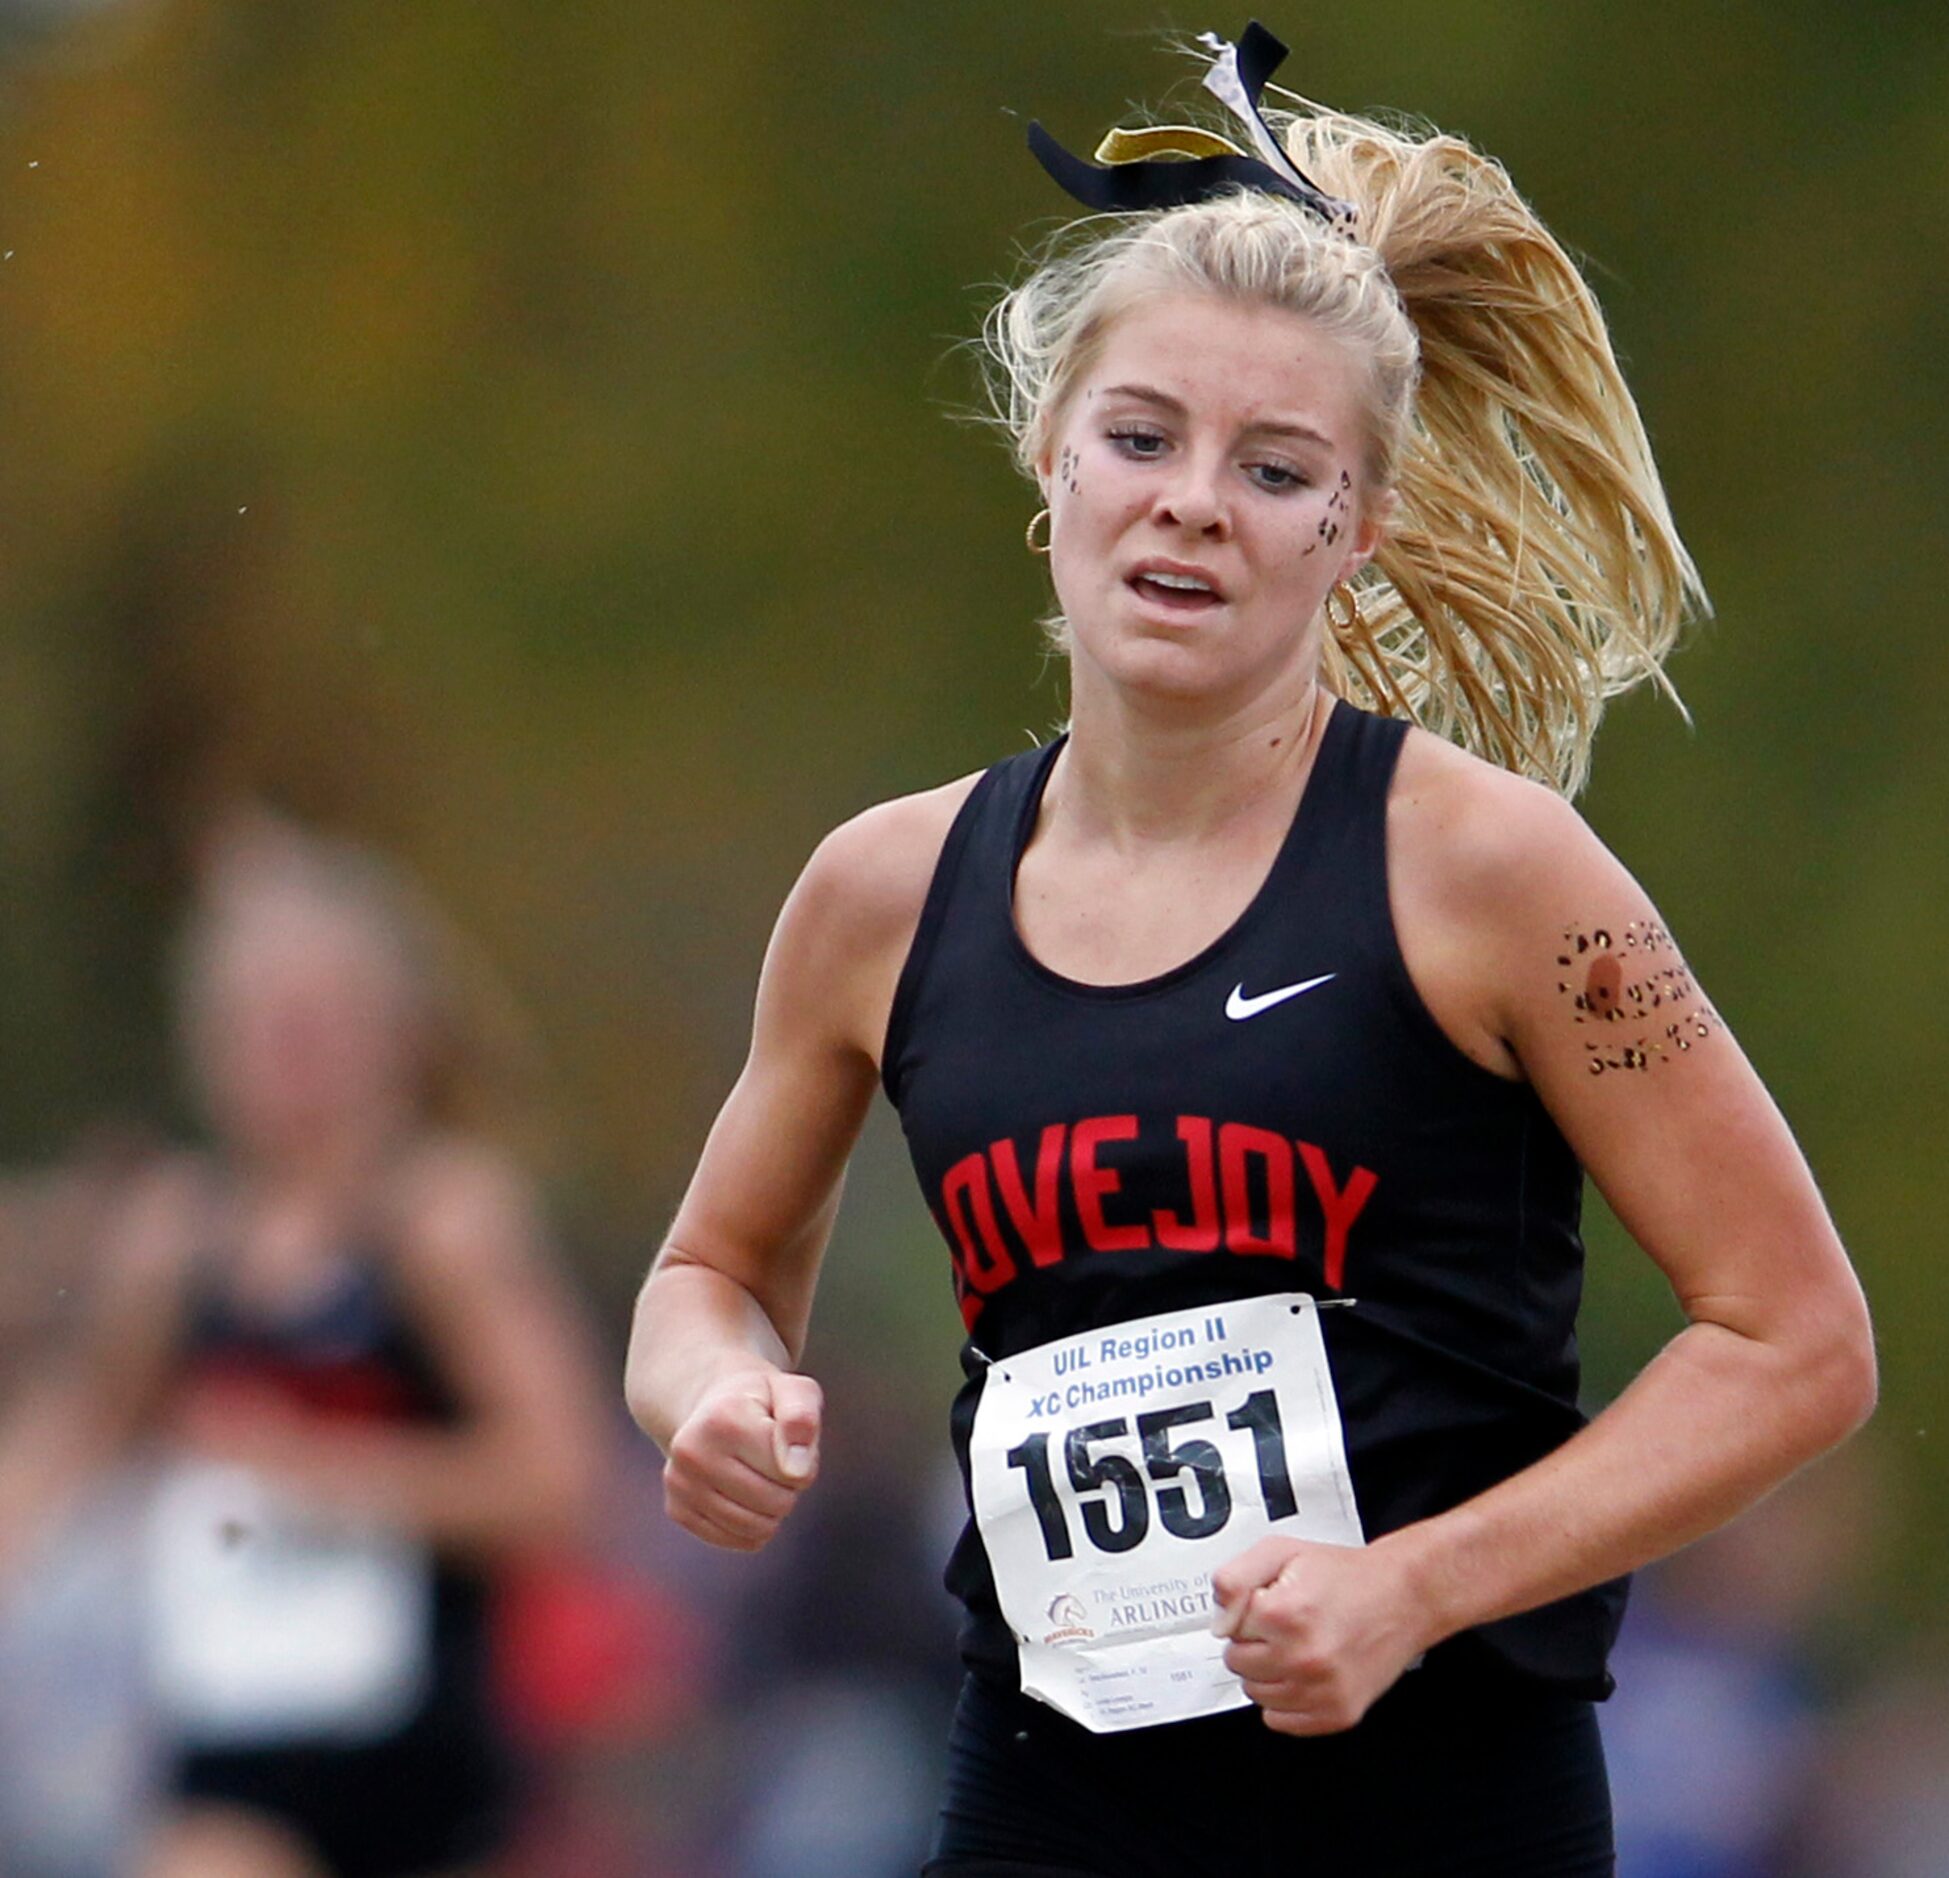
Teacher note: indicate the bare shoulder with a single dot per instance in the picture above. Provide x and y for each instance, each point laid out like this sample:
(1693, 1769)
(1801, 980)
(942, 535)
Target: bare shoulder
(155, 1234)
(1472, 833)
(872, 872)
(163, 1220)
(460, 1204)
(450, 1173)
(1485, 870)
(848, 923)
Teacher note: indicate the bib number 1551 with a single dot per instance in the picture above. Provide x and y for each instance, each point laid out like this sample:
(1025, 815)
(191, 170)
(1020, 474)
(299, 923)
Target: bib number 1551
(1193, 1497)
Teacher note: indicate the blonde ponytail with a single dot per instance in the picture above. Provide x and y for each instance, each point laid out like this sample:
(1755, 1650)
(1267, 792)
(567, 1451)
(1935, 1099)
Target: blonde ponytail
(1532, 570)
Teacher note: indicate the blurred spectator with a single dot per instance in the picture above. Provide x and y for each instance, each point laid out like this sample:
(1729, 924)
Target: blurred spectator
(1717, 1726)
(609, 1661)
(341, 1326)
(1880, 1803)
(845, 1670)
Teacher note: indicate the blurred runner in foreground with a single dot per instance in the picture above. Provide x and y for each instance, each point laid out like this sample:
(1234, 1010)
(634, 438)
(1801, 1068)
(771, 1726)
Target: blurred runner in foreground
(343, 1326)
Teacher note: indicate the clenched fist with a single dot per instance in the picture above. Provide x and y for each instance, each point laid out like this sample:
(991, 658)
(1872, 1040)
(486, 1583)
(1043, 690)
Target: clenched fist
(741, 1458)
(1318, 1632)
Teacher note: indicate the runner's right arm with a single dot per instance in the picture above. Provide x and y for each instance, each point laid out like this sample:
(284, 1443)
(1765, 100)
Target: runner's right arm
(721, 1320)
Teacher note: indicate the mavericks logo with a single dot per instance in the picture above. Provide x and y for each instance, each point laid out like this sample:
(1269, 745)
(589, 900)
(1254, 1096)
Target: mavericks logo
(1068, 1615)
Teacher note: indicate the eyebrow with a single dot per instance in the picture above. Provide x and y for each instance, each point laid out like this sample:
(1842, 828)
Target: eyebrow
(1148, 394)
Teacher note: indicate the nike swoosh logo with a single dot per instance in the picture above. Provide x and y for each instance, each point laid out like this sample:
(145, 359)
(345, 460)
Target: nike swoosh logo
(1238, 1006)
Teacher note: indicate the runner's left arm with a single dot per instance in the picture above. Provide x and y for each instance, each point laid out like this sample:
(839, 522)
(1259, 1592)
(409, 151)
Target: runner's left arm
(1774, 1366)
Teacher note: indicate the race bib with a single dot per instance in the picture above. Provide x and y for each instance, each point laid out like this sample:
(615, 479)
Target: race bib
(268, 1625)
(1114, 1472)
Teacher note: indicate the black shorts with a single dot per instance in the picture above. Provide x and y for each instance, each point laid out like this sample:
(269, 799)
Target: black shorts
(439, 1793)
(1449, 1776)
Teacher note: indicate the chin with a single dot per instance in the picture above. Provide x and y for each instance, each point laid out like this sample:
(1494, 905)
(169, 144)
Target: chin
(1160, 666)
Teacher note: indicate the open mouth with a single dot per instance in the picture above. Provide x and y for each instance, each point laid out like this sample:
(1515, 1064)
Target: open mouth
(1174, 593)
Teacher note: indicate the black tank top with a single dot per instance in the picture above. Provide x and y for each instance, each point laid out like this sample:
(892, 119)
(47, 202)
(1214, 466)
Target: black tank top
(1278, 1113)
(351, 1355)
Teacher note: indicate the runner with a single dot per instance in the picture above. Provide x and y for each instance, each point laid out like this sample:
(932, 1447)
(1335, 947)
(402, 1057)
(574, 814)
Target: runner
(1252, 1040)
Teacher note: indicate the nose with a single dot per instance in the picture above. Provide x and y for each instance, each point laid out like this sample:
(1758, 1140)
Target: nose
(1194, 498)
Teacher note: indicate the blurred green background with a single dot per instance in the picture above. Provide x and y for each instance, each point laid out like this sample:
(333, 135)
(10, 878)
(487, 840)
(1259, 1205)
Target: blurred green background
(526, 438)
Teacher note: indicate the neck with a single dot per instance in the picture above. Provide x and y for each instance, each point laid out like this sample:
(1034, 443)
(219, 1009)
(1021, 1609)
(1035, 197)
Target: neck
(325, 1167)
(1142, 771)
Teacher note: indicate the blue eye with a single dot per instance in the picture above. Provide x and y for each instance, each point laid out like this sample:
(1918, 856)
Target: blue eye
(1137, 443)
(1277, 478)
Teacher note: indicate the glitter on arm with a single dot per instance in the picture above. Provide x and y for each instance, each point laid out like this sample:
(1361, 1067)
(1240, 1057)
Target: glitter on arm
(1634, 991)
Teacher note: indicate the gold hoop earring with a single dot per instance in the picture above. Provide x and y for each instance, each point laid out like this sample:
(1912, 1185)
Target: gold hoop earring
(1035, 520)
(1343, 629)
